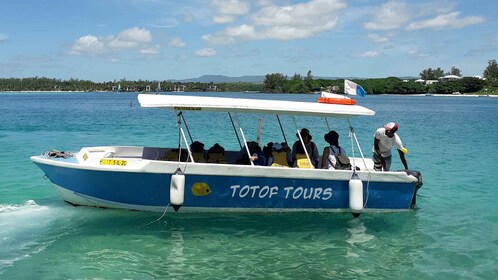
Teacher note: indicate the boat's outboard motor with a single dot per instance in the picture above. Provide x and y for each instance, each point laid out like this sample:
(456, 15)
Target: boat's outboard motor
(418, 185)
(355, 195)
(177, 189)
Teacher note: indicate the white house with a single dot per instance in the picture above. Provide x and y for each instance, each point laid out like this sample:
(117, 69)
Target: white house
(449, 78)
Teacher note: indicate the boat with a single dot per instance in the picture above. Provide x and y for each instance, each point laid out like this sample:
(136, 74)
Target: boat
(154, 178)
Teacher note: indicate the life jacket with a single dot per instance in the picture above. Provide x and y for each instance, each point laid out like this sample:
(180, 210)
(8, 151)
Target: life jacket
(216, 158)
(302, 161)
(279, 159)
(172, 155)
(198, 157)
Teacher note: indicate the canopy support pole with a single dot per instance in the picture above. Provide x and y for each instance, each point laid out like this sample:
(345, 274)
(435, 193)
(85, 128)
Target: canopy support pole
(186, 126)
(352, 135)
(281, 129)
(327, 122)
(187, 146)
(304, 147)
(234, 129)
(247, 148)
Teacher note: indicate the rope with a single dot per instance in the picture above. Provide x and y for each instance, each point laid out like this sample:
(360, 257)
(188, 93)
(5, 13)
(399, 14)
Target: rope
(158, 219)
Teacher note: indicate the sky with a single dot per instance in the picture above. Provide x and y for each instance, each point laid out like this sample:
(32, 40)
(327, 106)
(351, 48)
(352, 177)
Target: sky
(106, 40)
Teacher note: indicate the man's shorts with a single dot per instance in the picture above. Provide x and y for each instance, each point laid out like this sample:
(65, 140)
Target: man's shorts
(378, 164)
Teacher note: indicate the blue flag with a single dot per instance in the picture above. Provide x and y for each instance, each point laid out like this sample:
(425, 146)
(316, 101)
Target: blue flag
(353, 88)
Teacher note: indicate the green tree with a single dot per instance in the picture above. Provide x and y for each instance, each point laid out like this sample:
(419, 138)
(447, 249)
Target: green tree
(431, 74)
(471, 84)
(491, 72)
(274, 82)
(309, 80)
(454, 71)
(296, 85)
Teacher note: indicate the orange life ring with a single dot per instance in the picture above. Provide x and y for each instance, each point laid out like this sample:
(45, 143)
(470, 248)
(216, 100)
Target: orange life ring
(343, 101)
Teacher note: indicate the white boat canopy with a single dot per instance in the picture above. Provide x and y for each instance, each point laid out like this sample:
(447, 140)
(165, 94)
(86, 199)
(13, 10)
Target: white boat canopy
(239, 105)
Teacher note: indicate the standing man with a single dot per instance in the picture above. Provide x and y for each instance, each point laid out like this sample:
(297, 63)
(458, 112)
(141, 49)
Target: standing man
(384, 139)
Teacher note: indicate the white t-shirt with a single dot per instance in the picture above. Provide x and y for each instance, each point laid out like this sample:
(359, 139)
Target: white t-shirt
(386, 143)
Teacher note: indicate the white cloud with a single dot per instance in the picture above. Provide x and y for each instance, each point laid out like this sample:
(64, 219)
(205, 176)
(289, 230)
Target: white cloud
(369, 54)
(205, 52)
(135, 34)
(302, 20)
(88, 44)
(450, 20)
(176, 42)
(150, 51)
(131, 38)
(243, 31)
(378, 38)
(391, 15)
(219, 38)
(227, 10)
(230, 7)
(223, 19)
(127, 39)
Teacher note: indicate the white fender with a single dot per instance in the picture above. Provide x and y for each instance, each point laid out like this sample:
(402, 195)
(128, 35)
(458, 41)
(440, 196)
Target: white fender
(177, 189)
(355, 194)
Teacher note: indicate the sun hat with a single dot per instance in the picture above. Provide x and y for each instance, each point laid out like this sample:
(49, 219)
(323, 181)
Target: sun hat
(197, 146)
(332, 137)
(304, 132)
(391, 126)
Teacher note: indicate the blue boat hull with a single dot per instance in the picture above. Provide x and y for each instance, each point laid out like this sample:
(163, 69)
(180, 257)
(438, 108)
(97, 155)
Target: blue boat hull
(151, 191)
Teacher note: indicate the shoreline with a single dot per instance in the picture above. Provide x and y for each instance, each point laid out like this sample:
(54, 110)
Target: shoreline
(124, 92)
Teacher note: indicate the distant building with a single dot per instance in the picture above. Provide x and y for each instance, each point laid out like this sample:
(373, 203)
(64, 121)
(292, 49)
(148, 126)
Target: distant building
(449, 78)
(212, 88)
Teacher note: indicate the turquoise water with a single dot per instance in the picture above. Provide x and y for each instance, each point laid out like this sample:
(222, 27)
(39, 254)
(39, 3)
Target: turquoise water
(453, 233)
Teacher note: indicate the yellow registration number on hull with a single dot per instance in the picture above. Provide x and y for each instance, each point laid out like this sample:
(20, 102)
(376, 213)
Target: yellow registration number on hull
(113, 162)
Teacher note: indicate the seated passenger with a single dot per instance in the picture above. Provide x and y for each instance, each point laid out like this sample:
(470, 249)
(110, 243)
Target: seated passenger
(334, 157)
(311, 148)
(216, 154)
(300, 159)
(267, 150)
(175, 155)
(280, 155)
(198, 152)
(257, 156)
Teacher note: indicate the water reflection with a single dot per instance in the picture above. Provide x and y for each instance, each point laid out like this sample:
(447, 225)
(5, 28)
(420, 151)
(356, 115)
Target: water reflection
(358, 232)
(176, 257)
